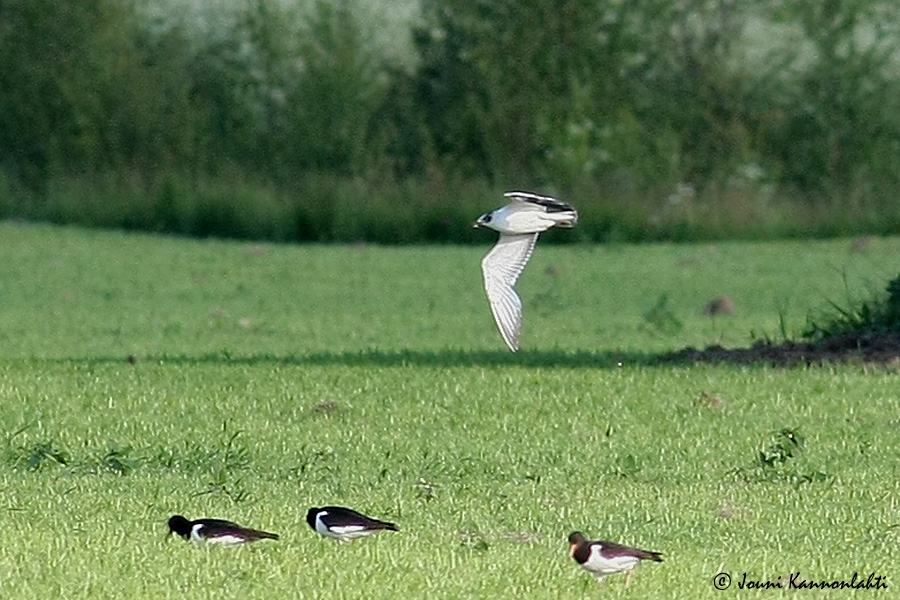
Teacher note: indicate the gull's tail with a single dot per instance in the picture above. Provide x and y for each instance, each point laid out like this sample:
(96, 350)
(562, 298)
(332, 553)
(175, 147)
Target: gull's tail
(566, 219)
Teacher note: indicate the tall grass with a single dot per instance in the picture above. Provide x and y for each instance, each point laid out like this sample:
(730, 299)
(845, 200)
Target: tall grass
(323, 207)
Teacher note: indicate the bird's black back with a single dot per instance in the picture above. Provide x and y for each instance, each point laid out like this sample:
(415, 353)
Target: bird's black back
(339, 516)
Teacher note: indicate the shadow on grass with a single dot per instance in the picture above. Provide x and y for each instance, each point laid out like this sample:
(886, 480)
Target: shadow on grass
(881, 349)
(401, 358)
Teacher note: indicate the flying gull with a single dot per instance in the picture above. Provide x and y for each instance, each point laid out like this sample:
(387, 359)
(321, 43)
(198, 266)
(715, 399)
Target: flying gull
(519, 223)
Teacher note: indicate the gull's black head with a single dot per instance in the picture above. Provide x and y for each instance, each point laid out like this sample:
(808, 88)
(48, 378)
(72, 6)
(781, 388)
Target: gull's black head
(179, 525)
(483, 220)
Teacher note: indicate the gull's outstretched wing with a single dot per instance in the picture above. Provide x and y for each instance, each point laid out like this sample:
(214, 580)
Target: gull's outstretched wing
(501, 268)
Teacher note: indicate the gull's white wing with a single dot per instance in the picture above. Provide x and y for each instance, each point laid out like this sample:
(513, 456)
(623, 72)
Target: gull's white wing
(501, 268)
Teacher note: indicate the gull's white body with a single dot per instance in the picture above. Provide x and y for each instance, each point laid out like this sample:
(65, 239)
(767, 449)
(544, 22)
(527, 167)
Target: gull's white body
(522, 217)
(519, 224)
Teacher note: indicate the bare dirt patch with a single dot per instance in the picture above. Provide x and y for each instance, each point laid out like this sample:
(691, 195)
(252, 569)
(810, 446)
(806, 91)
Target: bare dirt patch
(880, 348)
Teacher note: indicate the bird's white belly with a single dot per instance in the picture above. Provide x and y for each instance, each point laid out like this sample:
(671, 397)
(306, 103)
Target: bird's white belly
(351, 532)
(343, 533)
(601, 566)
(225, 540)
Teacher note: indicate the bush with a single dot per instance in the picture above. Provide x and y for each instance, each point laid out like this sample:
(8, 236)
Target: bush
(658, 119)
(879, 315)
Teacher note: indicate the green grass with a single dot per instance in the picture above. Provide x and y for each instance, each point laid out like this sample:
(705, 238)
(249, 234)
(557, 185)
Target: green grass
(267, 379)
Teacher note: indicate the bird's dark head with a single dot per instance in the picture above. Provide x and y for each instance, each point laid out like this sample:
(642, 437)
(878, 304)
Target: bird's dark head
(483, 220)
(576, 538)
(311, 516)
(578, 547)
(179, 525)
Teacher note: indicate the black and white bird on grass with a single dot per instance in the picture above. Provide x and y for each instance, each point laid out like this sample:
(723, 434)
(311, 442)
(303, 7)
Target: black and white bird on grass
(345, 524)
(602, 558)
(216, 531)
(519, 223)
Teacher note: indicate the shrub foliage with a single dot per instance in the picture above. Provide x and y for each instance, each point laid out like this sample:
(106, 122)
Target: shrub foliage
(660, 119)
(876, 316)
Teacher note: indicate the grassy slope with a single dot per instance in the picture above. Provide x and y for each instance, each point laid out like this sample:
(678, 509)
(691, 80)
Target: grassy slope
(486, 460)
(70, 293)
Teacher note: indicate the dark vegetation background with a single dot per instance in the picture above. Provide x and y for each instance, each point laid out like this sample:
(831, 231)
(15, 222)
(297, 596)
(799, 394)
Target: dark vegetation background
(658, 119)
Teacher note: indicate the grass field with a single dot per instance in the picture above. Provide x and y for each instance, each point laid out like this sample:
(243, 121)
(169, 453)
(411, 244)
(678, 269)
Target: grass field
(266, 379)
